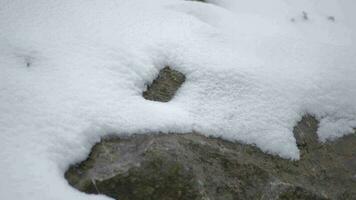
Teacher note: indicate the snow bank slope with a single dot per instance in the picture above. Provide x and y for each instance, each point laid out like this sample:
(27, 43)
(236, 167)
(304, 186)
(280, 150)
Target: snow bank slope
(72, 71)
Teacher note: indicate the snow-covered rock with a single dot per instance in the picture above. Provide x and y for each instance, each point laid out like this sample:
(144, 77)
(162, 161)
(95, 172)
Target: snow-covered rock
(73, 71)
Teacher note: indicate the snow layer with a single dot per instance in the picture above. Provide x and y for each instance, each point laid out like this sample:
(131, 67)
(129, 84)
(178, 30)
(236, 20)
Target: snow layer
(72, 71)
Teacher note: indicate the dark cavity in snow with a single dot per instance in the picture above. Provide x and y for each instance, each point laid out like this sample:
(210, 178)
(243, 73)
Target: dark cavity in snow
(331, 18)
(305, 15)
(194, 167)
(198, 0)
(164, 87)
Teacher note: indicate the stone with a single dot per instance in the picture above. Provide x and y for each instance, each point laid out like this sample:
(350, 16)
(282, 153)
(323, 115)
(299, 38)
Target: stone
(195, 167)
(164, 87)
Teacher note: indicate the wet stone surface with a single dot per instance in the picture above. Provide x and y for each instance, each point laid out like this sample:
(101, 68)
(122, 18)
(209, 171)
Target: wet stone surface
(164, 87)
(191, 166)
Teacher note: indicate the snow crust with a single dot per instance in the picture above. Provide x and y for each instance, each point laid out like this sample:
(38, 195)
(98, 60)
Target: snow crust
(72, 71)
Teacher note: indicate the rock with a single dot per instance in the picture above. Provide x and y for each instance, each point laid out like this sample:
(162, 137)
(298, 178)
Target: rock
(164, 87)
(191, 166)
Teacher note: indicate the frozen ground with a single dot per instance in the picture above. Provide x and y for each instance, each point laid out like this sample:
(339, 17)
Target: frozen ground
(72, 71)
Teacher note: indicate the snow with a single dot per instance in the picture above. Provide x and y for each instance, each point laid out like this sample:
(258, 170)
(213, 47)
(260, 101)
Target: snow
(72, 71)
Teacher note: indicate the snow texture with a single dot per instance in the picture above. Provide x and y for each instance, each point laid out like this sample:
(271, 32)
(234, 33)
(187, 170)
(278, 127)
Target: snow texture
(72, 71)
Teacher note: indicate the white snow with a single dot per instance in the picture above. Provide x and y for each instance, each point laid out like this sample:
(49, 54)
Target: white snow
(72, 71)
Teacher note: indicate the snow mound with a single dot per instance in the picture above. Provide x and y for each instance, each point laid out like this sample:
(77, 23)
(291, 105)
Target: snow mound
(72, 71)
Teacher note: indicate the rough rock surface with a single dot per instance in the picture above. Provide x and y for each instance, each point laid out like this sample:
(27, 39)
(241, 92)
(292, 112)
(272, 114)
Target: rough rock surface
(164, 87)
(192, 166)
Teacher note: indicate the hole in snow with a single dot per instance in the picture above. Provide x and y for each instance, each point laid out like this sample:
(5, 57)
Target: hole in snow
(198, 0)
(164, 87)
(331, 18)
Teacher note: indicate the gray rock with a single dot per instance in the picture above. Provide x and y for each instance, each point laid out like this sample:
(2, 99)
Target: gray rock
(191, 166)
(164, 87)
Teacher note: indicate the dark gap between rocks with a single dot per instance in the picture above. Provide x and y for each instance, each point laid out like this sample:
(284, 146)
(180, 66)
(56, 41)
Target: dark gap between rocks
(165, 86)
(194, 167)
